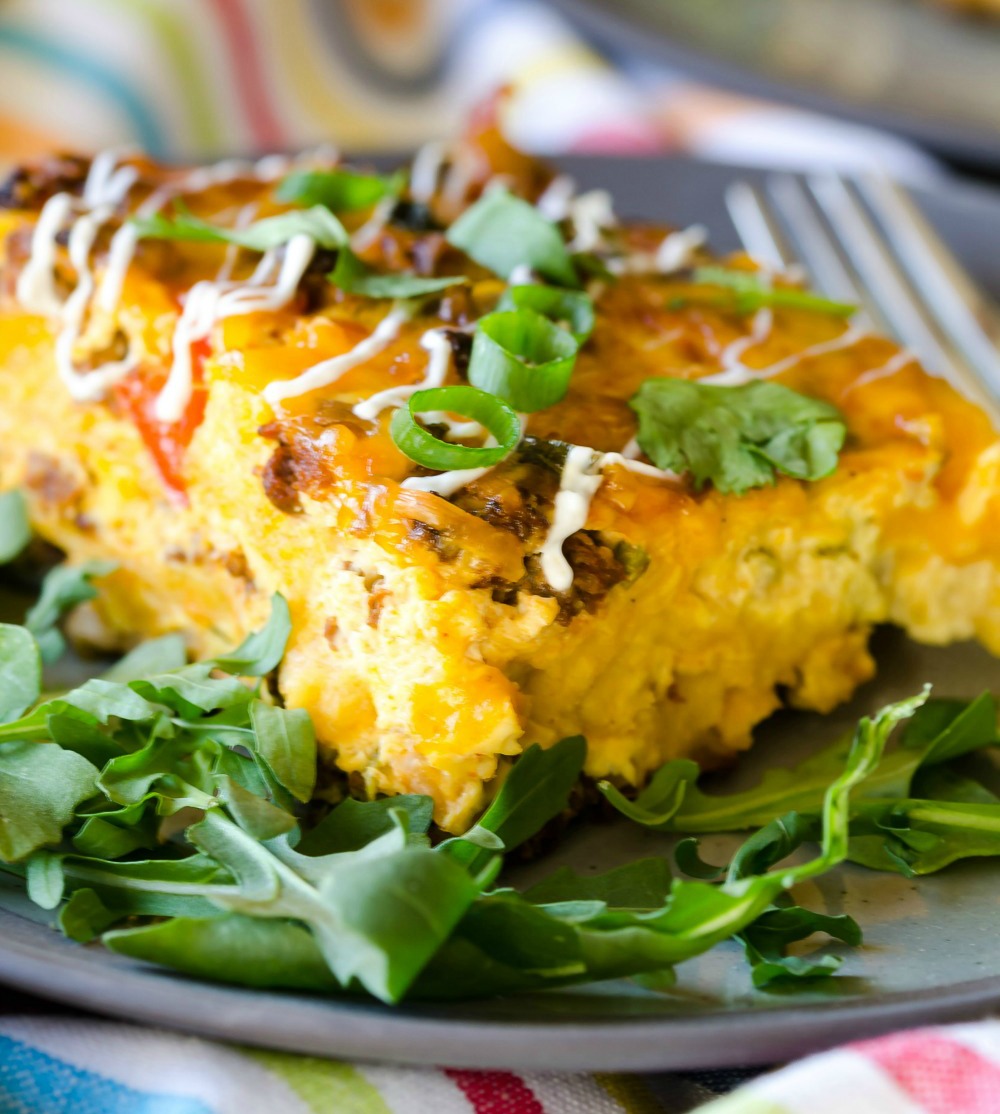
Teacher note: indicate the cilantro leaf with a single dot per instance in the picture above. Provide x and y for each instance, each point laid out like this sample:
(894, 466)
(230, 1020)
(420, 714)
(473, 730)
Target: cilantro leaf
(501, 232)
(737, 437)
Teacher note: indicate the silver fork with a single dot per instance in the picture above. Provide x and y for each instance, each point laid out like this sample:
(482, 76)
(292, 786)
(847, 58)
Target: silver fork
(865, 241)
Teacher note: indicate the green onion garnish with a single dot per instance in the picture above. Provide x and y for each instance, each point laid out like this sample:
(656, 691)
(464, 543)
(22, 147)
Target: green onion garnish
(420, 445)
(271, 232)
(501, 232)
(523, 358)
(571, 308)
(339, 190)
(752, 291)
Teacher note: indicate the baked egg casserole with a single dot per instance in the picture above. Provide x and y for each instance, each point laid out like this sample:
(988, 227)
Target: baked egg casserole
(521, 469)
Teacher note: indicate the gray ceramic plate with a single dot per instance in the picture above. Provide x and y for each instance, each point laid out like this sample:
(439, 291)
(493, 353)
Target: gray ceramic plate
(930, 949)
(907, 65)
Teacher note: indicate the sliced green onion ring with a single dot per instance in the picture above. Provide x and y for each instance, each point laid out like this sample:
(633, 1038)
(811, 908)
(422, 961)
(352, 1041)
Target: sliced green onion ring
(523, 358)
(572, 307)
(421, 446)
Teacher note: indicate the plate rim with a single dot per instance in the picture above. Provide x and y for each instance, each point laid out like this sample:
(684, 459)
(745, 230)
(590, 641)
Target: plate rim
(352, 1030)
(35, 960)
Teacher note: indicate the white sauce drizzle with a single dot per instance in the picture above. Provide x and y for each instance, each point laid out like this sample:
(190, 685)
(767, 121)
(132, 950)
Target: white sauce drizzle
(447, 483)
(329, 371)
(435, 342)
(106, 185)
(84, 386)
(677, 249)
(555, 200)
(370, 231)
(734, 372)
(902, 359)
(208, 302)
(736, 376)
(578, 484)
(521, 275)
(426, 169)
(36, 289)
(591, 213)
(581, 477)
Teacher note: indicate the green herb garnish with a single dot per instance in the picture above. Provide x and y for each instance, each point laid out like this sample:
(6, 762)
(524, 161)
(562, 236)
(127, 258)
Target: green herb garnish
(340, 190)
(420, 445)
(737, 437)
(523, 358)
(15, 530)
(501, 232)
(750, 291)
(318, 222)
(353, 277)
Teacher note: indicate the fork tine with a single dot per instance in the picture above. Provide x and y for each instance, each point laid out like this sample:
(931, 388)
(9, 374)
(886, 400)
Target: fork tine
(961, 311)
(760, 233)
(880, 273)
(818, 251)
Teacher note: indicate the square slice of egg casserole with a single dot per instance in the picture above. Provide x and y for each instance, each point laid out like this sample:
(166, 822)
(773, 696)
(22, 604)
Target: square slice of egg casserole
(522, 469)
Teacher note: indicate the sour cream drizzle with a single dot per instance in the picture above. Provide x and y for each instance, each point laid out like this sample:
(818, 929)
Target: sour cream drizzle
(435, 342)
(737, 374)
(329, 371)
(105, 187)
(581, 477)
(208, 302)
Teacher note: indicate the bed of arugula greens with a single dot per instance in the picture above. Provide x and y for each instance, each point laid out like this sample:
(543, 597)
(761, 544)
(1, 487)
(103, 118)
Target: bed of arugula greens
(161, 808)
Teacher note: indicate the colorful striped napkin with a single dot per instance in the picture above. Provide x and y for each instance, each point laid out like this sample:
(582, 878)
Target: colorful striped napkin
(53, 1066)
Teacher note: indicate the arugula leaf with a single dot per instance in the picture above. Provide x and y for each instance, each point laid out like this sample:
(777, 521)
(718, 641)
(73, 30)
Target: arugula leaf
(231, 948)
(41, 786)
(44, 878)
(354, 824)
(263, 235)
(85, 916)
(354, 277)
(752, 290)
(377, 919)
(20, 671)
(15, 529)
(286, 741)
(341, 190)
(536, 790)
(261, 651)
(737, 437)
(913, 837)
(643, 884)
(938, 731)
(156, 655)
(501, 232)
(63, 588)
